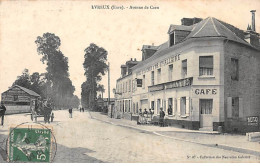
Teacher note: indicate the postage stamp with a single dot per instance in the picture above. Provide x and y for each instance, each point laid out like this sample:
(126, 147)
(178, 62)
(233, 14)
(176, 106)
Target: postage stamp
(30, 143)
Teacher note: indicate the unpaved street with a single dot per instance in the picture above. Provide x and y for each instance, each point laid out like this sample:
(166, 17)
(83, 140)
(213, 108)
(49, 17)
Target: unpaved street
(83, 139)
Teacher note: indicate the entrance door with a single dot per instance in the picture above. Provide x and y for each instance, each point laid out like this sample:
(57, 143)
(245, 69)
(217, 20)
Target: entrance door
(144, 105)
(206, 106)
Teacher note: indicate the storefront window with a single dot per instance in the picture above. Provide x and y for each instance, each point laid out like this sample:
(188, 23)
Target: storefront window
(206, 106)
(169, 110)
(152, 105)
(206, 65)
(183, 106)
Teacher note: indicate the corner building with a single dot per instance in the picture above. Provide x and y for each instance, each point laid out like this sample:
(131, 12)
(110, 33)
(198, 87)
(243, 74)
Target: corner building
(205, 76)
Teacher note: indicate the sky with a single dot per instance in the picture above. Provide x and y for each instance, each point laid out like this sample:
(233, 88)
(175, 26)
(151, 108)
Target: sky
(121, 32)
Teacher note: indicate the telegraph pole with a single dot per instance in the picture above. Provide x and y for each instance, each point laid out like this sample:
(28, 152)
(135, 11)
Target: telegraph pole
(109, 88)
(108, 83)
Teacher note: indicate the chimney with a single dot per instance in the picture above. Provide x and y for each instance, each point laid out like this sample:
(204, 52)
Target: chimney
(131, 59)
(253, 19)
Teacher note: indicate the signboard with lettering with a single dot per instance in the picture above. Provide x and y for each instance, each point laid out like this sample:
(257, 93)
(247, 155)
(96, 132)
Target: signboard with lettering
(205, 91)
(139, 82)
(172, 84)
(164, 62)
(252, 120)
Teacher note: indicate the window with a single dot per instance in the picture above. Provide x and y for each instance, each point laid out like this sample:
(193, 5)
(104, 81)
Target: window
(158, 76)
(126, 87)
(158, 105)
(235, 107)
(152, 105)
(152, 78)
(143, 81)
(206, 65)
(15, 98)
(234, 69)
(183, 106)
(184, 67)
(170, 72)
(172, 39)
(129, 86)
(206, 106)
(169, 106)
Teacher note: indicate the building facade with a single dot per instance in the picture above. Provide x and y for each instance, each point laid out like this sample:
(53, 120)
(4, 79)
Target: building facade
(205, 76)
(18, 99)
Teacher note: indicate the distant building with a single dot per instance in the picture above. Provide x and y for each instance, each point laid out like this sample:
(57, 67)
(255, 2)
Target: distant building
(18, 99)
(208, 72)
(104, 102)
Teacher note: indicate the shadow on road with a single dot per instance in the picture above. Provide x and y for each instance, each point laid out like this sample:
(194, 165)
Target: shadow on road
(74, 155)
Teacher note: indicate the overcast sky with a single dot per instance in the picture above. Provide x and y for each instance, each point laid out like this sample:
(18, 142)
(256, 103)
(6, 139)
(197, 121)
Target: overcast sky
(121, 32)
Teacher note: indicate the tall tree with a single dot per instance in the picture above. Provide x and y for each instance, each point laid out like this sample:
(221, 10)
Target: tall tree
(57, 74)
(95, 67)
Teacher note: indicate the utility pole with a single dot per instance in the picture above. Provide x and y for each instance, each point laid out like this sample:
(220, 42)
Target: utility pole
(109, 88)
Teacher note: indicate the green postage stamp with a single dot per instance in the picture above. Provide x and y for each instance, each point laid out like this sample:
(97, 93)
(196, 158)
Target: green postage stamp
(29, 144)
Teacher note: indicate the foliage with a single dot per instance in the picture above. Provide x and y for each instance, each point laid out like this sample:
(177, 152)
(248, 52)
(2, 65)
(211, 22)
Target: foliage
(57, 77)
(34, 82)
(95, 67)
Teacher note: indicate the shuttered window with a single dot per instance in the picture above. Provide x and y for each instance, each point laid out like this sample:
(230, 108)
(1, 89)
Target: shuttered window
(206, 65)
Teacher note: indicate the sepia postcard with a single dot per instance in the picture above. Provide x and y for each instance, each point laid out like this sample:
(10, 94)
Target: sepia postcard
(129, 81)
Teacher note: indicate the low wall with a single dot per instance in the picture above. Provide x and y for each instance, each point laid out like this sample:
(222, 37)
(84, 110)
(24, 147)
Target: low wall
(17, 109)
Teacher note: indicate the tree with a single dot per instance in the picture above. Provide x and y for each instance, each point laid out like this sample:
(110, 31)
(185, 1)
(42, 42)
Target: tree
(57, 75)
(95, 67)
(34, 82)
(101, 89)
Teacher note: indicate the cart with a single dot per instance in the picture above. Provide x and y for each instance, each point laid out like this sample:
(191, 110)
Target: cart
(41, 110)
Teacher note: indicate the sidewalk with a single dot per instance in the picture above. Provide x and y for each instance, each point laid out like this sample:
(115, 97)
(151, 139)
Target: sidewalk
(232, 142)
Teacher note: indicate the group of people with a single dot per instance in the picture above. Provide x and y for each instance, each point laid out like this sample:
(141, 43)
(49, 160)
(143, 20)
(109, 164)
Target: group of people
(81, 109)
(142, 119)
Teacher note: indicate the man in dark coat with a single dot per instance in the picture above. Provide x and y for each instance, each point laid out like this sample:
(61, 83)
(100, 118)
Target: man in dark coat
(82, 109)
(70, 111)
(2, 113)
(161, 118)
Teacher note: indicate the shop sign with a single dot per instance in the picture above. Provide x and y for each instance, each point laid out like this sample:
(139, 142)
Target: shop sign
(156, 88)
(139, 82)
(164, 62)
(205, 91)
(252, 120)
(179, 83)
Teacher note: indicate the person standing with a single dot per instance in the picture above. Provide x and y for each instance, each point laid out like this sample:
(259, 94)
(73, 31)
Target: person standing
(170, 110)
(82, 109)
(2, 113)
(79, 109)
(70, 112)
(161, 118)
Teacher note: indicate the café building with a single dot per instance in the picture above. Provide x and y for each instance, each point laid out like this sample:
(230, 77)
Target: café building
(205, 77)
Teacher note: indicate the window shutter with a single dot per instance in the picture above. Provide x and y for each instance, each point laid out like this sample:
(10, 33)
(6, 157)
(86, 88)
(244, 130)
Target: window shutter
(229, 107)
(179, 106)
(241, 108)
(187, 106)
(174, 106)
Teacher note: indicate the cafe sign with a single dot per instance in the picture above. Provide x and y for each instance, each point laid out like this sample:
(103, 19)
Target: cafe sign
(252, 120)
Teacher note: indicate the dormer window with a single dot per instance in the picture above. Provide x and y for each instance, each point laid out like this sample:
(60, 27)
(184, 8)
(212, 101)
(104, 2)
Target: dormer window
(172, 36)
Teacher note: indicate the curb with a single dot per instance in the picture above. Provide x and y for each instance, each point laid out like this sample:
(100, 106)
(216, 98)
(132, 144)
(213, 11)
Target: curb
(219, 146)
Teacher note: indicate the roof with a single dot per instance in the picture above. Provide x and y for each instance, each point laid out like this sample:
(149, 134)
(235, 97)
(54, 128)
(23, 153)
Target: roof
(212, 27)
(207, 28)
(180, 28)
(150, 47)
(30, 92)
